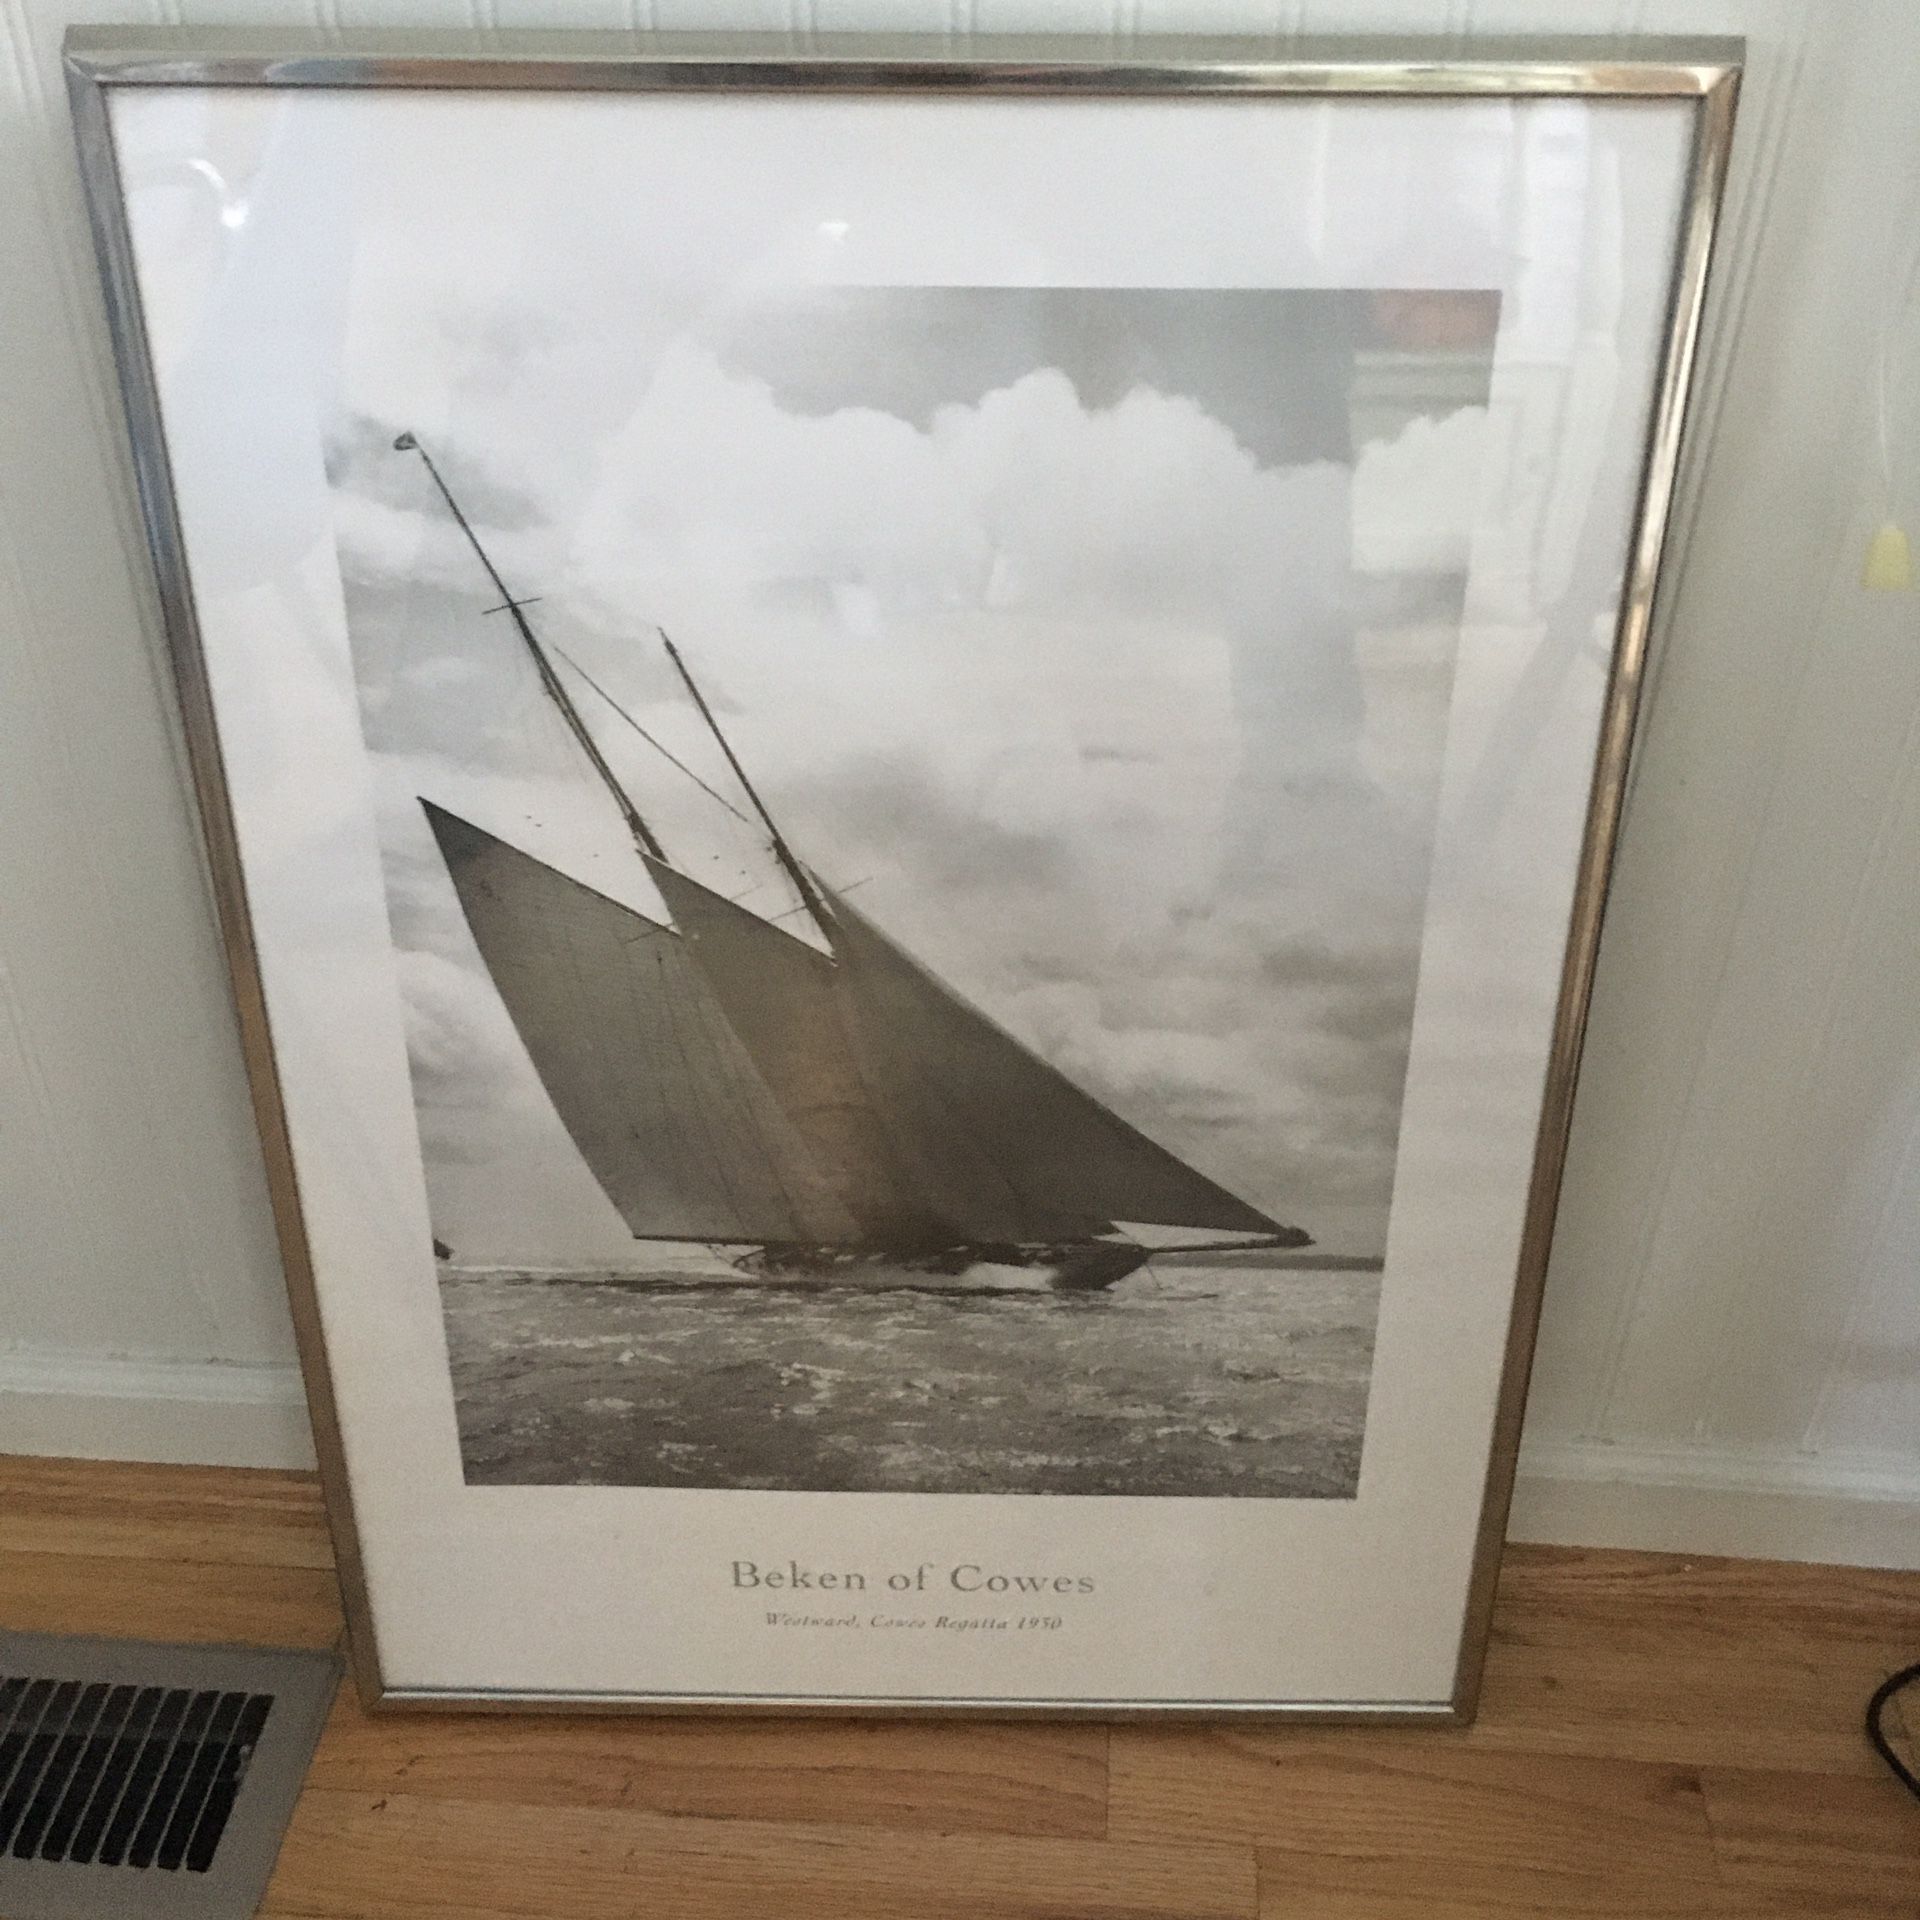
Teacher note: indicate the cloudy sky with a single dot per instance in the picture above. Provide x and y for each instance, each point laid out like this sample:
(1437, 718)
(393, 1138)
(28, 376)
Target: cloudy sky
(1034, 614)
(1048, 592)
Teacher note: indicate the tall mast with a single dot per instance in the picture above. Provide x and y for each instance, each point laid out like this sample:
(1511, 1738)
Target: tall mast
(556, 691)
(809, 894)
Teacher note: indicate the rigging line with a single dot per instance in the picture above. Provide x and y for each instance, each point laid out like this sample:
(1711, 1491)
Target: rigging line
(802, 885)
(1148, 1266)
(666, 753)
(549, 680)
(773, 919)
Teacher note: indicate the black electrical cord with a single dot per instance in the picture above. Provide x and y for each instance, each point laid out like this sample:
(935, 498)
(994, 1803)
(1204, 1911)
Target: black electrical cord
(1876, 1708)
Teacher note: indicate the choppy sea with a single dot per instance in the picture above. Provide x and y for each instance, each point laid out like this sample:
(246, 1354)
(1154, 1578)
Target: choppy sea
(1187, 1378)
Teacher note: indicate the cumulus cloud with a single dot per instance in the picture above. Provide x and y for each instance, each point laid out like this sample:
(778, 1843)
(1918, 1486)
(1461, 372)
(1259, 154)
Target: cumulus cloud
(1414, 504)
(1083, 695)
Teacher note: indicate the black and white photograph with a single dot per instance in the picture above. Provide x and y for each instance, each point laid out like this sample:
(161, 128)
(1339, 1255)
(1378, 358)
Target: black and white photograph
(908, 769)
(908, 892)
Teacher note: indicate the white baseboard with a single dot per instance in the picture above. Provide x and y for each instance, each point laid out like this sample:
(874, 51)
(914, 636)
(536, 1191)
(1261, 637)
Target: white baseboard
(1854, 1509)
(85, 1407)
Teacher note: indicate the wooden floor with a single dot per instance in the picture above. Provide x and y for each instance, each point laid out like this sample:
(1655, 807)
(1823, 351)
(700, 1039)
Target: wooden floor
(1660, 1737)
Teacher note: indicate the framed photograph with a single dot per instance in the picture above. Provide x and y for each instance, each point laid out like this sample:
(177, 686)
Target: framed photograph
(910, 750)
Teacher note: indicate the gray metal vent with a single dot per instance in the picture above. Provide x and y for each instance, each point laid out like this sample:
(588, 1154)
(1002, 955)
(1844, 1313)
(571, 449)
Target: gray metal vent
(139, 1778)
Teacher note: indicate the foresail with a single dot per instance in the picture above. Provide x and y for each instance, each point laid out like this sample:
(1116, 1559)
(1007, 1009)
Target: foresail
(1061, 1160)
(782, 999)
(665, 1104)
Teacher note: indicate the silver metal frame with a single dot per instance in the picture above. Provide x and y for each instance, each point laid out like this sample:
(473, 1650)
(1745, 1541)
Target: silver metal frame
(1705, 71)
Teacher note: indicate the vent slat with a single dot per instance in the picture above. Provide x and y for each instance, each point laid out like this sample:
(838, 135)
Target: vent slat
(173, 1775)
(115, 1772)
(60, 1703)
(89, 1772)
(143, 1776)
(58, 1771)
(232, 1770)
(21, 1727)
(199, 1780)
(144, 1779)
(125, 1776)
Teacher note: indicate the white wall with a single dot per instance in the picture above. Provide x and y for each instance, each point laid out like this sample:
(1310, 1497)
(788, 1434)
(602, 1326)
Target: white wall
(1731, 1354)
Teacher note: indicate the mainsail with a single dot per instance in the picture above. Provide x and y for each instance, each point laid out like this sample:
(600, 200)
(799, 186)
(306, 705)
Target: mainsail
(1053, 1150)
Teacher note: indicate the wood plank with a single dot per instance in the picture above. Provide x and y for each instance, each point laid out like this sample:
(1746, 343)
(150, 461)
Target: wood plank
(138, 1511)
(1512, 1893)
(291, 1907)
(1521, 1896)
(1688, 1704)
(169, 1600)
(1790, 1836)
(351, 1856)
(280, 1906)
(1567, 1595)
(1378, 1814)
(970, 1777)
(1753, 1903)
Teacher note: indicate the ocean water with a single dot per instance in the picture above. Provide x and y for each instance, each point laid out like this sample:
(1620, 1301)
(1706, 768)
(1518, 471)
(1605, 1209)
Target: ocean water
(1188, 1378)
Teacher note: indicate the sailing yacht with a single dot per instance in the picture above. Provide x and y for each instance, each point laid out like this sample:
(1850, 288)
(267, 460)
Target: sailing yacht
(833, 1114)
